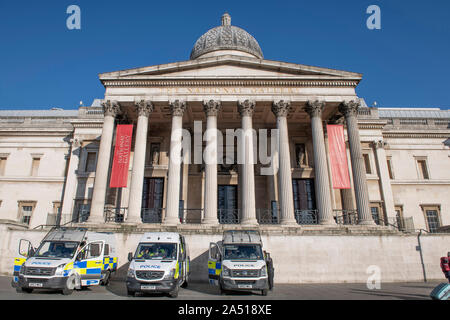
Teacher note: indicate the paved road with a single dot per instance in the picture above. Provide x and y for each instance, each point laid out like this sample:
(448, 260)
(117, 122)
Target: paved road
(203, 291)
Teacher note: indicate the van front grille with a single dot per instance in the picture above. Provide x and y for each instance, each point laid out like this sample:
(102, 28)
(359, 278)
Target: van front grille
(39, 271)
(149, 275)
(245, 273)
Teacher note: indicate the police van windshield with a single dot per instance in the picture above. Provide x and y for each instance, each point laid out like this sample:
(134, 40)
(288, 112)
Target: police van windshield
(243, 252)
(56, 249)
(157, 251)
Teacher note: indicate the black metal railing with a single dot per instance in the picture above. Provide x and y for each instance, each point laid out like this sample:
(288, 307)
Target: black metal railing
(152, 215)
(346, 217)
(306, 217)
(228, 216)
(115, 214)
(193, 216)
(267, 216)
(350, 217)
(401, 224)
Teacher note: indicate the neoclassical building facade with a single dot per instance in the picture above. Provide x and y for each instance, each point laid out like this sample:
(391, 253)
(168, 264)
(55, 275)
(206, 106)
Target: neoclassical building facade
(55, 165)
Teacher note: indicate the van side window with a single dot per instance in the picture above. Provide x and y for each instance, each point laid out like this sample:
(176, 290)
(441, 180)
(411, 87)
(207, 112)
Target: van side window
(106, 249)
(93, 250)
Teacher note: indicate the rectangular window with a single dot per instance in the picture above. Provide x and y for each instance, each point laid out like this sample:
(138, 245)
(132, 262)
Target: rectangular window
(432, 217)
(35, 167)
(26, 209)
(91, 162)
(375, 214)
(367, 163)
(432, 220)
(390, 169)
(423, 171)
(399, 217)
(2, 166)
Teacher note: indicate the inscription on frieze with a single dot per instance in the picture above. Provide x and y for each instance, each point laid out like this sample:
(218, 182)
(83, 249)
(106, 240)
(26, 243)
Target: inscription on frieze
(229, 90)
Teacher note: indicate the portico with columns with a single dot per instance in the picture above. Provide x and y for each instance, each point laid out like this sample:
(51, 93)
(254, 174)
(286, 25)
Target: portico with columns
(227, 84)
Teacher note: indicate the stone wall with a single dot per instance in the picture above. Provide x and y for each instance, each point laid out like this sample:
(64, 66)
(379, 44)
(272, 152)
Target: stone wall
(335, 255)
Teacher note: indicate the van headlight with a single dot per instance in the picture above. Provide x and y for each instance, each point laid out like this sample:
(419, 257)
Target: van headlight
(263, 271)
(131, 273)
(170, 275)
(60, 269)
(226, 272)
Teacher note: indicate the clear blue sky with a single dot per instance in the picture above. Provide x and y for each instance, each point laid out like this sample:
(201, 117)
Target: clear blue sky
(44, 65)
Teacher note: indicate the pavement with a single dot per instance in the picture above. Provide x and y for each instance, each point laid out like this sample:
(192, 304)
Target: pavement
(203, 291)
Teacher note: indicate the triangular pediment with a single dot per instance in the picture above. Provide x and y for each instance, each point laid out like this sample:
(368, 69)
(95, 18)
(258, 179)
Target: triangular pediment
(230, 67)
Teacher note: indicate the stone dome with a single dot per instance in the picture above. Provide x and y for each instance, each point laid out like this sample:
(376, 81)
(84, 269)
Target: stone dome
(226, 37)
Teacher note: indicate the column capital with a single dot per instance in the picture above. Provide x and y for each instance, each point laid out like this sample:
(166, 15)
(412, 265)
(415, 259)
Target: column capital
(144, 107)
(281, 108)
(111, 108)
(177, 107)
(380, 144)
(212, 107)
(314, 108)
(349, 108)
(246, 107)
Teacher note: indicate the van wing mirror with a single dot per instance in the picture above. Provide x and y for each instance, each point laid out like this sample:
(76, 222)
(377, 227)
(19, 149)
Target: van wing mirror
(130, 256)
(25, 248)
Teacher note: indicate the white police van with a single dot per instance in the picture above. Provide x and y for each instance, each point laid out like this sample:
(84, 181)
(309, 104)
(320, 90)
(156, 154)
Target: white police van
(66, 259)
(160, 264)
(239, 263)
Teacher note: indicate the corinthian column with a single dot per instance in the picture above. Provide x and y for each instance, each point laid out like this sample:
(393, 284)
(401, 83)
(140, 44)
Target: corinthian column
(143, 108)
(212, 108)
(285, 194)
(322, 181)
(248, 175)
(110, 109)
(177, 108)
(350, 110)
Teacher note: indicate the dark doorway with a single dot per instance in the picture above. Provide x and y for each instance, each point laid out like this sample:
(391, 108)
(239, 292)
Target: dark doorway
(152, 200)
(227, 204)
(304, 201)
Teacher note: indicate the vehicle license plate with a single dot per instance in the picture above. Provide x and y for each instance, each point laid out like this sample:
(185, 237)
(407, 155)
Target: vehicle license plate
(244, 286)
(36, 285)
(147, 287)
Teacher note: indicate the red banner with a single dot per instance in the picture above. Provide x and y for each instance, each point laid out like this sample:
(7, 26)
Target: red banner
(338, 157)
(119, 173)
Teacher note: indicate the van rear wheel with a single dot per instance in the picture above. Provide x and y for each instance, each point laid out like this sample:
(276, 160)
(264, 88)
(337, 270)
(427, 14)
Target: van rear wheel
(105, 280)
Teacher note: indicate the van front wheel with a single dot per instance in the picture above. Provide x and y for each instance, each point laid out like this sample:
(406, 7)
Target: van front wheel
(70, 285)
(174, 293)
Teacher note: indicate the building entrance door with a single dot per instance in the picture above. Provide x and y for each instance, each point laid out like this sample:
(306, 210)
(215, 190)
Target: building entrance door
(152, 200)
(227, 204)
